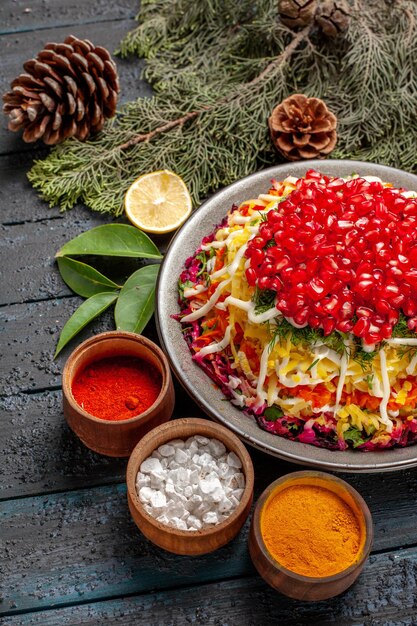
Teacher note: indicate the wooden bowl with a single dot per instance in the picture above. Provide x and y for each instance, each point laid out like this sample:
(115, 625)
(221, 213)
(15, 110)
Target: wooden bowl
(116, 438)
(305, 587)
(181, 541)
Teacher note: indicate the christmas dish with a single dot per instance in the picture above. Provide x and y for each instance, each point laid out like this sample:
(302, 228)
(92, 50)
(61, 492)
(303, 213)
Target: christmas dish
(301, 305)
(194, 379)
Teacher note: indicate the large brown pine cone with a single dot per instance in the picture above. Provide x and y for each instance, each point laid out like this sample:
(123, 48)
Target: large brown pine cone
(303, 128)
(297, 13)
(333, 17)
(67, 91)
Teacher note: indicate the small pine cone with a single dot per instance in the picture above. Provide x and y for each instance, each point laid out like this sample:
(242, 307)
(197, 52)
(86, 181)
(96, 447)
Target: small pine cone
(297, 13)
(67, 91)
(333, 17)
(303, 128)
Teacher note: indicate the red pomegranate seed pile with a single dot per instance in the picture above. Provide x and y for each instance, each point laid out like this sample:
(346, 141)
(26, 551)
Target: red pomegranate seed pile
(341, 255)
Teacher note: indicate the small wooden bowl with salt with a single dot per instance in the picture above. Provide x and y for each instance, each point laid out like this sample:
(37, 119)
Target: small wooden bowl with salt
(208, 538)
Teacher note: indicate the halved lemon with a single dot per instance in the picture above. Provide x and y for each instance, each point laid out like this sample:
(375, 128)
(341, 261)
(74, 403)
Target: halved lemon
(158, 202)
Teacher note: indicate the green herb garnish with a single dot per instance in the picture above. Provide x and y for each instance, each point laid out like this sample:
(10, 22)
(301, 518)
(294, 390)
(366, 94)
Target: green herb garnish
(272, 413)
(312, 365)
(401, 328)
(363, 358)
(307, 336)
(355, 437)
(184, 285)
(264, 300)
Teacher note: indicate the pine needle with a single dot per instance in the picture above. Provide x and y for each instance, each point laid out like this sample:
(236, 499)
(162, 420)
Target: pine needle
(217, 68)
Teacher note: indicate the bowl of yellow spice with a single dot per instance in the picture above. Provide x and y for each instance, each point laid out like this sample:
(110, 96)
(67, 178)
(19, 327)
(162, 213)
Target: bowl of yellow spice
(310, 536)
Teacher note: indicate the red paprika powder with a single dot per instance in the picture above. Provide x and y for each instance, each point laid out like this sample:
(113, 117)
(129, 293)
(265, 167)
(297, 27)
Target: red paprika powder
(117, 388)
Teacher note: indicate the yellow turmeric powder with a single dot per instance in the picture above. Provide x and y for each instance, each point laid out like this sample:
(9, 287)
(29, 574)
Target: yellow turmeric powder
(311, 530)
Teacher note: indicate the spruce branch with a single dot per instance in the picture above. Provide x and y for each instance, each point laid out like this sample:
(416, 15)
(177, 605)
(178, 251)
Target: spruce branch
(180, 121)
(217, 68)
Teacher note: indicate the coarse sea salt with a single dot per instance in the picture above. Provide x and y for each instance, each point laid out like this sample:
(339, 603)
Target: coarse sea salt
(191, 484)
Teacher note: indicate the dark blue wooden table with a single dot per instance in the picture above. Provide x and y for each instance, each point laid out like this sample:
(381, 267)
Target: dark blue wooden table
(70, 553)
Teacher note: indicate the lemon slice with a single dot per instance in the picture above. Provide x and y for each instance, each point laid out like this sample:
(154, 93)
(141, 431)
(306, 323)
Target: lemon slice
(158, 202)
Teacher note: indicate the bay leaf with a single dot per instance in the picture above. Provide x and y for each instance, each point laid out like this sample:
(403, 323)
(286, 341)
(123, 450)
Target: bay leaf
(84, 279)
(136, 302)
(86, 312)
(112, 240)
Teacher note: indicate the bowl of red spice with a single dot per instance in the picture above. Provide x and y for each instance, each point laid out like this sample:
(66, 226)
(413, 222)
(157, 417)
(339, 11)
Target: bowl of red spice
(310, 536)
(117, 386)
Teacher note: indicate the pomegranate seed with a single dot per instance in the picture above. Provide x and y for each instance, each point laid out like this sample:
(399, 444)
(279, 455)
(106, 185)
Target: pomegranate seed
(282, 264)
(363, 286)
(412, 323)
(299, 276)
(314, 321)
(273, 217)
(275, 252)
(258, 242)
(287, 274)
(331, 304)
(377, 320)
(282, 305)
(391, 289)
(276, 284)
(345, 326)
(411, 277)
(312, 267)
(383, 307)
(393, 318)
(315, 288)
(313, 175)
(251, 276)
(409, 307)
(267, 269)
(386, 331)
(345, 275)
(410, 208)
(397, 301)
(328, 324)
(278, 235)
(361, 327)
(378, 275)
(363, 311)
(347, 309)
(371, 338)
(257, 256)
(403, 261)
(301, 316)
(336, 184)
(265, 232)
(264, 282)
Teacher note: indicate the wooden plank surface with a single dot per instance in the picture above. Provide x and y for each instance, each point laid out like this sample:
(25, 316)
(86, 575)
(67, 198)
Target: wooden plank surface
(32, 272)
(19, 202)
(27, 15)
(383, 596)
(30, 247)
(31, 332)
(40, 454)
(87, 541)
(66, 536)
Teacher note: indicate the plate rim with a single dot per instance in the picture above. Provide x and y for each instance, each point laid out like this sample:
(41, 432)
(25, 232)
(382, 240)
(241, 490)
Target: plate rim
(284, 455)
